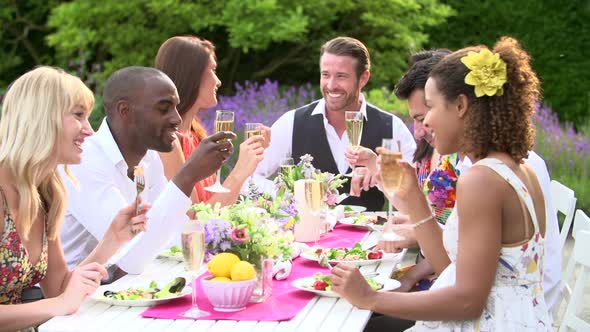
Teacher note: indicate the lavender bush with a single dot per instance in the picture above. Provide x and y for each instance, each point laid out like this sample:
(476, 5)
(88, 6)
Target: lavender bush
(263, 103)
(566, 153)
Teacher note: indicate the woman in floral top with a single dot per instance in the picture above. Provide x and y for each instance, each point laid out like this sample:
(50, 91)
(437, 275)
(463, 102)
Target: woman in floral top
(50, 104)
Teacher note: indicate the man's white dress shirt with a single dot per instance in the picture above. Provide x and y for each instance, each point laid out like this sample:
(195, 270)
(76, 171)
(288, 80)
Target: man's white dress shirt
(282, 139)
(552, 263)
(104, 189)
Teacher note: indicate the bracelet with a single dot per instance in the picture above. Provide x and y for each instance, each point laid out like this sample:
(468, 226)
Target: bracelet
(423, 221)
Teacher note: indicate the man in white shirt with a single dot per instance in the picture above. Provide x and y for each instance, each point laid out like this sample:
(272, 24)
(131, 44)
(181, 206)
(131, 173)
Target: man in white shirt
(141, 118)
(319, 129)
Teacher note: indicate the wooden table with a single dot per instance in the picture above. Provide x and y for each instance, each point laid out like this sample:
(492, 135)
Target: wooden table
(322, 313)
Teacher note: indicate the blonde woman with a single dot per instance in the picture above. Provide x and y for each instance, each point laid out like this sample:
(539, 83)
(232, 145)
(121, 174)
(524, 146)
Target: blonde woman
(44, 122)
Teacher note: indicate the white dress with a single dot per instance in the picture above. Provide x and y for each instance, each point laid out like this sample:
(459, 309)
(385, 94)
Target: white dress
(516, 301)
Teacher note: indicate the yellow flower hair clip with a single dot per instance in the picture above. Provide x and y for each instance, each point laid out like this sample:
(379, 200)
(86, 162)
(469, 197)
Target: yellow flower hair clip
(487, 72)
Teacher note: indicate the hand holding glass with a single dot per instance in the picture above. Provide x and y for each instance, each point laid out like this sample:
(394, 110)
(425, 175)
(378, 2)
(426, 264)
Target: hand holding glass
(224, 121)
(354, 130)
(193, 252)
(391, 171)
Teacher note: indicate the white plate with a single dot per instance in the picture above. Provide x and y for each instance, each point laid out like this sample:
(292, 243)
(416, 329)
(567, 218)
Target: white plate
(166, 254)
(388, 285)
(98, 296)
(367, 225)
(355, 210)
(313, 257)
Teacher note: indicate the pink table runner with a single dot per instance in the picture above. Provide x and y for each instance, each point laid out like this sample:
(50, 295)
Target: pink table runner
(285, 302)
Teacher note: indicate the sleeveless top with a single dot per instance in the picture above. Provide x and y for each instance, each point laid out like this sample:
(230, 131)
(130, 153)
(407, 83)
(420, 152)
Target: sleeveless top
(516, 301)
(189, 144)
(16, 270)
(439, 185)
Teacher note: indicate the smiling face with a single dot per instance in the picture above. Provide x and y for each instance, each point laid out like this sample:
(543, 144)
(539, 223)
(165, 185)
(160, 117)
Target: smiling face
(207, 96)
(444, 119)
(340, 85)
(418, 111)
(154, 118)
(75, 128)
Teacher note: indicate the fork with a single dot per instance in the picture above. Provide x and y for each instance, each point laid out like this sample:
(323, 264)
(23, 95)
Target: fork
(139, 180)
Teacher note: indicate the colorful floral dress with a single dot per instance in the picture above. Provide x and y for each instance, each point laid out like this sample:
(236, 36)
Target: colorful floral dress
(16, 270)
(189, 144)
(516, 301)
(439, 185)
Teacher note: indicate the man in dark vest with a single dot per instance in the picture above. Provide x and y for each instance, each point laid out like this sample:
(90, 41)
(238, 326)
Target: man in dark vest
(319, 128)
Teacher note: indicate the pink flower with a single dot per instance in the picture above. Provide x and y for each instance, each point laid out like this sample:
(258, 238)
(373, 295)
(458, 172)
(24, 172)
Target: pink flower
(332, 199)
(239, 235)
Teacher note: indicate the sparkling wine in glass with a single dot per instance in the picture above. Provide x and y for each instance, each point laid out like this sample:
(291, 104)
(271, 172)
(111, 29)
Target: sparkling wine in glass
(354, 130)
(285, 165)
(224, 121)
(251, 130)
(314, 198)
(391, 171)
(193, 252)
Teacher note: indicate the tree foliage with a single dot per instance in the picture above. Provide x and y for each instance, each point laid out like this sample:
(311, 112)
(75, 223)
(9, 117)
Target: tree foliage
(21, 37)
(255, 39)
(556, 33)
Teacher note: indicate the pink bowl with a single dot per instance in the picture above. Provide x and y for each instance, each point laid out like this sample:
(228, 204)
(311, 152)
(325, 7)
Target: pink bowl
(228, 296)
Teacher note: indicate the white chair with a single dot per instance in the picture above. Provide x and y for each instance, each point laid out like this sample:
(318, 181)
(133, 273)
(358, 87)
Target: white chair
(564, 200)
(581, 256)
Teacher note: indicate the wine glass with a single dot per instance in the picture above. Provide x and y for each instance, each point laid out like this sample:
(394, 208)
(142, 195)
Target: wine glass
(193, 252)
(285, 165)
(391, 171)
(252, 129)
(224, 121)
(313, 196)
(314, 200)
(354, 130)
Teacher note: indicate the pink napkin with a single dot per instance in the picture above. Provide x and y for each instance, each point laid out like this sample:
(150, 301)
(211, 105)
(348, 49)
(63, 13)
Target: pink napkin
(286, 301)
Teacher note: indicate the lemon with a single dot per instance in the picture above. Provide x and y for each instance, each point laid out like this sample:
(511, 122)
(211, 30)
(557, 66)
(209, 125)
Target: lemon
(243, 271)
(221, 264)
(221, 279)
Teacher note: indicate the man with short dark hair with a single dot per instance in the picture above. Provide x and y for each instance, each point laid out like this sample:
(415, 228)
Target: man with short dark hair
(141, 120)
(319, 129)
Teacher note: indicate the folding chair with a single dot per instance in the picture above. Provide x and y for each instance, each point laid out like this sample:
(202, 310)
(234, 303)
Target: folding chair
(581, 256)
(564, 200)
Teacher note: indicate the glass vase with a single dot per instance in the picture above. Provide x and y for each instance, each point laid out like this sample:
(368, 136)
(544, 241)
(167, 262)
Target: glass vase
(263, 289)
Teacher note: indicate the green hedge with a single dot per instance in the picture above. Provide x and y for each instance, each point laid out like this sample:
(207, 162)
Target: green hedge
(556, 33)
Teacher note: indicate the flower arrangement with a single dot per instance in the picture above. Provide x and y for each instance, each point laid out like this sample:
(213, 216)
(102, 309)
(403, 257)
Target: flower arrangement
(244, 230)
(487, 72)
(305, 170)
(282, 207)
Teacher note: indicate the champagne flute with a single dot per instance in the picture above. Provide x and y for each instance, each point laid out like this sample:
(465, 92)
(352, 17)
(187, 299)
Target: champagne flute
(250, 130)
(354, 130)
(314, 200)
(285, 165)
(224, 121)
(391, 171)
(193, 252)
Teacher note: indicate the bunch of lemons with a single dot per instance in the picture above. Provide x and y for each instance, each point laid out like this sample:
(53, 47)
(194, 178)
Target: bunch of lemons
(228, 267)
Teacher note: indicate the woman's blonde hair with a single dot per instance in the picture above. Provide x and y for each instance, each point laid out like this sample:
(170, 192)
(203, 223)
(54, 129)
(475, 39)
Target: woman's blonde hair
(30, 133)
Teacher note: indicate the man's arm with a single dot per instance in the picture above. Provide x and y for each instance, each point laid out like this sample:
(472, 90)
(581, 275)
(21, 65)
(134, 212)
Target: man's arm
(279, 148)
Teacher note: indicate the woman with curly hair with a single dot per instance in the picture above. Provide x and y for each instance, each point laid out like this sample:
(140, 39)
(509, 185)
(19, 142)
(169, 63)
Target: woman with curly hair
(44, 122)
(490, 255)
